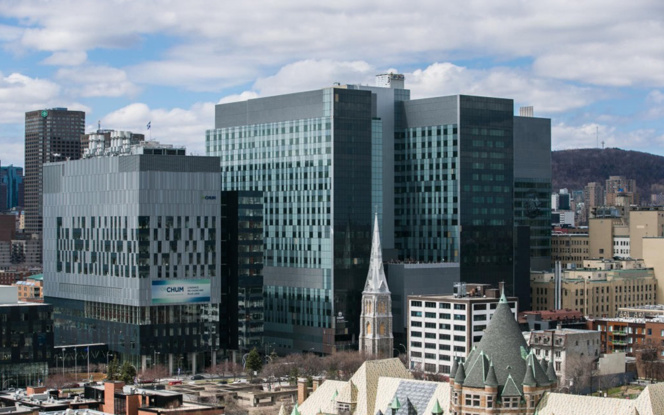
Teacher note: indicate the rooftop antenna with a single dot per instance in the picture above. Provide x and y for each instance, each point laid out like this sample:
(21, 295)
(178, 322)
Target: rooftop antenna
(602, 144)
(597, 135)
(98, 125)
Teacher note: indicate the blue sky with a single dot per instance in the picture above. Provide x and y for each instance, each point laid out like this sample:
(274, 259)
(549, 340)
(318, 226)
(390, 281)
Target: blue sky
(596, 68)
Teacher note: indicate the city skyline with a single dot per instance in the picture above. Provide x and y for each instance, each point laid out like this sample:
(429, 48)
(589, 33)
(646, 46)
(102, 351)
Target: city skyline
(595, 69)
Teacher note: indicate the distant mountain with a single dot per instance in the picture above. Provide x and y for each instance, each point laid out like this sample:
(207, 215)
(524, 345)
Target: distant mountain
(574, 169)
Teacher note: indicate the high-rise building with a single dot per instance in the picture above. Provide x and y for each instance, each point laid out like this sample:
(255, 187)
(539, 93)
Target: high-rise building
(440, 173)
(50, 135)
(242, 267)
(620, 186)
(11, 187)
(131, 254)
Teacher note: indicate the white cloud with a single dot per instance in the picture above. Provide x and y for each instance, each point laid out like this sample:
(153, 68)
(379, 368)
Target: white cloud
(66, 58)
(12, 151)
(175, 126)
(314, 74)
(547, 96)
(614, 43)
(97, 81)
(592, 135)
(20, 93)
(243, 96)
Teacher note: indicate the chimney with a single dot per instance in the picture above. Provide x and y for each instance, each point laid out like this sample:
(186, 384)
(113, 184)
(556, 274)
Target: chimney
(317, 380)
(302, 390)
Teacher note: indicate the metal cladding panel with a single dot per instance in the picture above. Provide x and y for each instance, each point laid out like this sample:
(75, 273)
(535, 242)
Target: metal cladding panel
(431, 111)
(91, 226)
(297, 106)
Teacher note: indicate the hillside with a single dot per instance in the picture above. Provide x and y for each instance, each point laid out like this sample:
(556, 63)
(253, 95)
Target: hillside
(573, 169)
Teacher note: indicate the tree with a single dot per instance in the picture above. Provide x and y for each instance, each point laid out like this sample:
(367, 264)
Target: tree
(154, 373)
(113, 369)
(648, 364)
(127, 373)
(254, 362)
(56, 381)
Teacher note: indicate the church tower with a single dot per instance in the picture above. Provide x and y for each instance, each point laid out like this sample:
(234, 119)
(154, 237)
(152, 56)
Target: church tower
(376, 318)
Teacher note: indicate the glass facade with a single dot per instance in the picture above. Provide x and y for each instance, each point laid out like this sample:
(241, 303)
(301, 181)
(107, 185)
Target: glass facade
(486, 175)
(426, 193)
(315, 176)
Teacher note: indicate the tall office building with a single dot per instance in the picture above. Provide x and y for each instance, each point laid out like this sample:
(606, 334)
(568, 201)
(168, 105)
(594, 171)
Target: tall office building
(242, 267)
(50, 135)
(11, 187)
(440, 173)
(131, 254)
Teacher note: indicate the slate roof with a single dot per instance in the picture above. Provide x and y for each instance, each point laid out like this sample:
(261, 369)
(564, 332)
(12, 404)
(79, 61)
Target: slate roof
(649, 402)
(423, 395)
(362, 388)
(503, 346)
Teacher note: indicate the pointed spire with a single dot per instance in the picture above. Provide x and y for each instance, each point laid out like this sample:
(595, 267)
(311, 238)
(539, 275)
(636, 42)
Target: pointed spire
(551, 372)
(503, 298)
(395, 405)
(282, 410)
(460, 375)
(529, 378)
(491, 379)
(376, 281)
(455, 367)
(295, 411)
(336, 393)
(436, 410)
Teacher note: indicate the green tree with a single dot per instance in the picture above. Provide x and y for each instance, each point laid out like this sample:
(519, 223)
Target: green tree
(127, 373)
(254, 362)
(113, 369)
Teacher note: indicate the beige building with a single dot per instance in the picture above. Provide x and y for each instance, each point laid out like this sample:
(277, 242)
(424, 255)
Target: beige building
(569, 248)
(598, 289)
(653, 257)
(644, 223)
(603, 233)
(620, 186)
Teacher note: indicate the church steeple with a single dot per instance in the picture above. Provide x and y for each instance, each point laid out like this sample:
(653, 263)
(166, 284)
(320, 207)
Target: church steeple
(376, 319)
(376, 282)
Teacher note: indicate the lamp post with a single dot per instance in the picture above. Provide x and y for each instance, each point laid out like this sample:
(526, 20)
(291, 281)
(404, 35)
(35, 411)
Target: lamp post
(405, 351)
(63, 362)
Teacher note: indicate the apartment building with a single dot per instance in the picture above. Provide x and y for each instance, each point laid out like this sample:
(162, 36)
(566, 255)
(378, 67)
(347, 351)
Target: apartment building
(598, 289)
(444, 327)
(571, 248)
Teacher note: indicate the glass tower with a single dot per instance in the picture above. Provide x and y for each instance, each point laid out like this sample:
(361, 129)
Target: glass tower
(310, 155)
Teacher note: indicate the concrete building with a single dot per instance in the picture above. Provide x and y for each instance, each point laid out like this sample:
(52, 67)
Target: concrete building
(551, 319)
(26, 344)
(31, 289)
(574, 353)
(131, 249)
(598, 289)
(326, 159)
(442, 328)
(415, 278)
(619, 186)
(50, 135)
(644, 223)
(570, 247)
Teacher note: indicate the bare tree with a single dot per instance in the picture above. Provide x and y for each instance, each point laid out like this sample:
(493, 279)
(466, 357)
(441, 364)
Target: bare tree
(57, 381)
(648, 364)
(154, 373)
(578, 374)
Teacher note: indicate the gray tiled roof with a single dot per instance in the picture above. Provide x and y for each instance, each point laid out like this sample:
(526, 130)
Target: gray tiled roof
(504, 346)
(415, 396)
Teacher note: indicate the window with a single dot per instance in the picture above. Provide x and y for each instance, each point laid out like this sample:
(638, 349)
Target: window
(459, 328)
(416, 304)
(429, 304)
(459, 306)
(445, 305)
(479, 317)
(445, 316)
(459, 317)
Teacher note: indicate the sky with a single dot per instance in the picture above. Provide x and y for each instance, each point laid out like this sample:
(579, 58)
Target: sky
(595, 67)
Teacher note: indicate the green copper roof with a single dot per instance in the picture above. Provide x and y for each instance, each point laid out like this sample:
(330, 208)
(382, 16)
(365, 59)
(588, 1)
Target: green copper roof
(295, 411)
(491, 377)
(396, 405)
(436, 408)
(460, 377)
